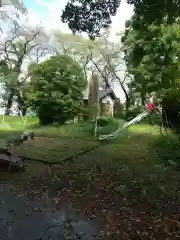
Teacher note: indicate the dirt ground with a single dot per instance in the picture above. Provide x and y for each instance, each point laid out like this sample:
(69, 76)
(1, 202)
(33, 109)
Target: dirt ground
(78, 199)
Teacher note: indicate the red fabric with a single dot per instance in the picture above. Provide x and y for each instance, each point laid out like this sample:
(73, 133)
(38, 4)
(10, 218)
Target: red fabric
(151, 106)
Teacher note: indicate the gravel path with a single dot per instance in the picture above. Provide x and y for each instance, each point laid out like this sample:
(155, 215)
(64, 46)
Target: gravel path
(22, 219)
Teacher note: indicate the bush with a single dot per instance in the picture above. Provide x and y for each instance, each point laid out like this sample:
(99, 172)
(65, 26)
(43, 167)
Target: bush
(104, 121)
(119, 110)
(56, 89)
(167, 150)
(54, 114)
(132, 113)
(153, 119)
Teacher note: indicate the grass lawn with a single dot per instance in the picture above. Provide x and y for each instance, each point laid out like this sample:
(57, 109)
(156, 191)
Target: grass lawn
(130, 183)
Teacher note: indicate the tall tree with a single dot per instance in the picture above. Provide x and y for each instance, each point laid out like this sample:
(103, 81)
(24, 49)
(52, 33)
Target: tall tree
(74, 46)
(91, 16)
(100, 56)
(107, 58)
(11, 12)
(16, 51)
(152, 55)
(155, 11)
(55, 89)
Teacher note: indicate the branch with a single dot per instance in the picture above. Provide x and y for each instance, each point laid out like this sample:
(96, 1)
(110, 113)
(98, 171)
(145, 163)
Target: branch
(102, 74)
(5, 49)
(24, 79)
(116, 76)
(25, 50)
(38, 56)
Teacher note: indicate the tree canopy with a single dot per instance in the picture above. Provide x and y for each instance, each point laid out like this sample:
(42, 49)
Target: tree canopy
(148, 53)
(91, 16)
(152, 56)
(55, 90)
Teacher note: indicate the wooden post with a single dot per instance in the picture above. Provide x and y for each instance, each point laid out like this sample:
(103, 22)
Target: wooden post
(93, 101)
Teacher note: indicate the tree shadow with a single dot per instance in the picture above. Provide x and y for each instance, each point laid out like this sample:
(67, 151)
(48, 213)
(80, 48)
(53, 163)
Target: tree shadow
(35, 126)
(7, 133)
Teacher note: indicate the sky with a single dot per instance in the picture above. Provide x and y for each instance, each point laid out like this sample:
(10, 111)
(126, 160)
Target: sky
(48, 12)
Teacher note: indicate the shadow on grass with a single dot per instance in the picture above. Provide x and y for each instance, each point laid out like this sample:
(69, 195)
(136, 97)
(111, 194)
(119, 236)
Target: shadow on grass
(136, 144)
(34, 126)
(7, 133)
(75, 130)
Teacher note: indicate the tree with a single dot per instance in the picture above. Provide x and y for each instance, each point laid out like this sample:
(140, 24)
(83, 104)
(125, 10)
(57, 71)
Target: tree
(74, 46)
(91, 16)
(21, 45)
(107, 58)
(11, 13)
(101, 56)
(155, 11)
(55, 89)
(86, 52)
(152, 55)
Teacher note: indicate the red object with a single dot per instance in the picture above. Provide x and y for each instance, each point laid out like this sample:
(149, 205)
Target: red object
(151, 106)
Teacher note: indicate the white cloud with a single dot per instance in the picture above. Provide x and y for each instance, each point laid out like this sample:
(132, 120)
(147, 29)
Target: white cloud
(55, 8)
(124, 13)
(34, 18)
(53, 20)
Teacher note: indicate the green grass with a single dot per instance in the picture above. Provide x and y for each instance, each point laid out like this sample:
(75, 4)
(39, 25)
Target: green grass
(16, 124)
(140, 167)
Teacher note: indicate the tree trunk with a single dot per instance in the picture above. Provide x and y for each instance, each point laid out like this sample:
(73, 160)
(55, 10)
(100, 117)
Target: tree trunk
(170, 114)
(24, 111)
(143, 98)
(127, 95)
(21, 104)
(128, 102)
(9, 104)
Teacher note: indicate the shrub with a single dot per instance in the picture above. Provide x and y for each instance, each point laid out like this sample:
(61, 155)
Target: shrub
(132, 113)
(104, 121)
(55, 90)
(167, 150)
